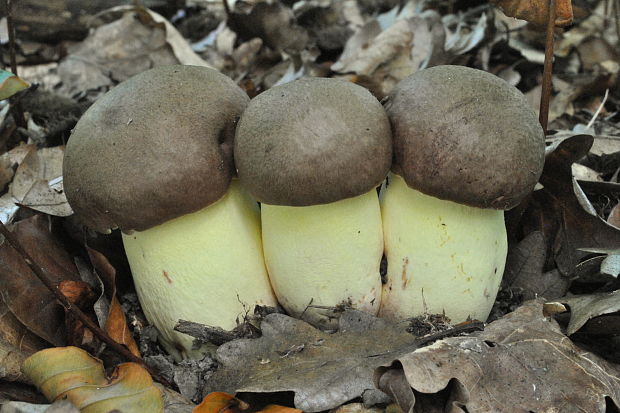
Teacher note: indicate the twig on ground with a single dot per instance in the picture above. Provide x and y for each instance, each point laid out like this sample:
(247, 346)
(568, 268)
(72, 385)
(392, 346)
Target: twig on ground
(545, 95)
(18, 112)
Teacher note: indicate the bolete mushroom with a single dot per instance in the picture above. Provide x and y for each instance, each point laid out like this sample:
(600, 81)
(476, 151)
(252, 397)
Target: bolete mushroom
(467, 146)
(153, 157)
(313, 151)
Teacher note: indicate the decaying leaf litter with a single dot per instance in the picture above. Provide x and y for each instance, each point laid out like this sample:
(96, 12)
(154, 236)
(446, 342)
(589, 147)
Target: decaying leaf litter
(564, 240)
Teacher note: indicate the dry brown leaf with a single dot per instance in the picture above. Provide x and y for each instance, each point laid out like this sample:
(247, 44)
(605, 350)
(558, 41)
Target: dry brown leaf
(219, 402)
(139, 40)
(537, 11)
(21, 288)
(563, 213)
(324, 370)
(524, 270)
(107, 307)
(116, 327)
(11, 359)
(274, 23)
(586, 307)
(14, 333)
(72, 373)
(520, 363)
(37, 183)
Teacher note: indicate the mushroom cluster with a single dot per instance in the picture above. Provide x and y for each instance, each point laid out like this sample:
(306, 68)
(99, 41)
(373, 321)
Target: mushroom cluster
(154, 158)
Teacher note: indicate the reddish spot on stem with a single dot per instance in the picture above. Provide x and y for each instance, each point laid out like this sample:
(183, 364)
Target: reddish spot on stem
(403, 275)
(167, 277)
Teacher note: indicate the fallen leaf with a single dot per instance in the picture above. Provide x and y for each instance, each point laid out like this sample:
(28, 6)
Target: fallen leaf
(219, 402)
(136, 41)
(323, 370)
(10, 84)
(273, 22)
(364, 58)
(520, 363)
(563, 212)
(461, 36)
(586, 307)
(81, 295)
(107, 307)
(78, 293)
(60, 406)
(524, 270)
(14, 333)
(537, 11)
(72, 373)
(11, 359)
(37, 183)
(589, 27)
(116, 327)
(21, 288)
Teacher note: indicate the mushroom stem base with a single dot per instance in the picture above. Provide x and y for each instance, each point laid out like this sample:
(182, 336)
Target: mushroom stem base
(443, 257)
(325, 256)
(206, 267)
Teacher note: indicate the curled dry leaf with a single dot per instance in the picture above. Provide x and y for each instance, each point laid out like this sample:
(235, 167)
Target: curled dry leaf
(37, 183)
(72, 373)
(537, 11)
(107, 307)
(116, 327)
(219, 402)
(520, 363)
(563, 212)
(586, 307)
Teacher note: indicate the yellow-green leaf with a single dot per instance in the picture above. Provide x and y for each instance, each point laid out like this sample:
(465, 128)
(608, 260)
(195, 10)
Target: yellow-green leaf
(73, 373)
(10, 84)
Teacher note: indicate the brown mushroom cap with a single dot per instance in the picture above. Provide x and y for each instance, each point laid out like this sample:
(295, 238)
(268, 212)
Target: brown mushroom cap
(465, 135)
(155, 147)
(312, 141)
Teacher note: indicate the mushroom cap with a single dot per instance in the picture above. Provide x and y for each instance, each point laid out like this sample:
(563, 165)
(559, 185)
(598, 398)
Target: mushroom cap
(465, 135)
(312, 141)
(155, 147)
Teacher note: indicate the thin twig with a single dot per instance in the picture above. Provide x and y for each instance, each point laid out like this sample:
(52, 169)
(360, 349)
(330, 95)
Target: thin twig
(598, 111)
(545, 95)
(227, 9)
(88, 322)
(11, 30)
(18, 112)
(616, 9)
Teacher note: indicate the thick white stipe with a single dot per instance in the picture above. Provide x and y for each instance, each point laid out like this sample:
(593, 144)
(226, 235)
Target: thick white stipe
(205, 267)
(325, 255)
(442, 256)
